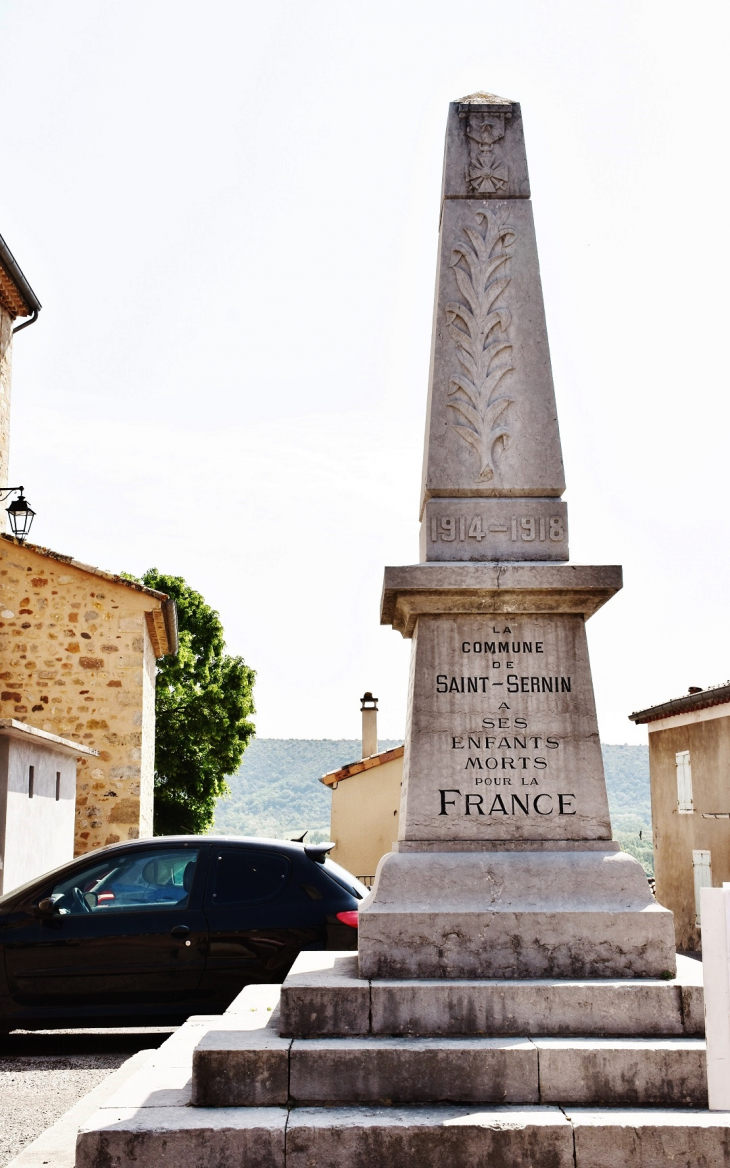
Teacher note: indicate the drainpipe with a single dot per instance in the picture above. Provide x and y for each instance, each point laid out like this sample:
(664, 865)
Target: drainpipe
(25, 324)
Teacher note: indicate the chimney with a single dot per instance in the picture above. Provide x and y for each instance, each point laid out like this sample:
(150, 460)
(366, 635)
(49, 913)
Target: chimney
(369, 707)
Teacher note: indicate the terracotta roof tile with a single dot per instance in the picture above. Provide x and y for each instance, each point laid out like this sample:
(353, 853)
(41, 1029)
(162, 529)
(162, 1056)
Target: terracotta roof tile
(364, 764)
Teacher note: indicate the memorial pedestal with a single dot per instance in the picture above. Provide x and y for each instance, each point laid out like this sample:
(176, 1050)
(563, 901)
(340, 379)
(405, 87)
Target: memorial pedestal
(505, 867)
(508, 914)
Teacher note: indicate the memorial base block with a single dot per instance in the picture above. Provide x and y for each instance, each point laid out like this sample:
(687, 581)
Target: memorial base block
(515, 914)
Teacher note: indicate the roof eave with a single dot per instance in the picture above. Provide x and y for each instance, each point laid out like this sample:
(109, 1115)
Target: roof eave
(23, 288)
(360, 766)
(111, 577)
(686, 705)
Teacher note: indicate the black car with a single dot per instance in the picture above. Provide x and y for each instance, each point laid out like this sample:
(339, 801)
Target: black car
(167, 927)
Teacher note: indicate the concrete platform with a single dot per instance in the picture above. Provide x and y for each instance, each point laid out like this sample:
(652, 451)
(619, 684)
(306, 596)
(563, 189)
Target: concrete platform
(324, 996)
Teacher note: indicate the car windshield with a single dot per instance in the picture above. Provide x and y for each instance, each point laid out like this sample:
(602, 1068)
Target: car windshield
(138, 880)
(17, 893)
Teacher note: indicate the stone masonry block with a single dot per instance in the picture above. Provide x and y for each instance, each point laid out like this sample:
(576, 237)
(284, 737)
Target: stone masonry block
(630, 1008)
(623, 1073)
(619, 1138)
(540, 944)
(241, 1068)
(429, 1137)
(183, 1137)
(693, 1005)
(323, 994)
(411, 1070)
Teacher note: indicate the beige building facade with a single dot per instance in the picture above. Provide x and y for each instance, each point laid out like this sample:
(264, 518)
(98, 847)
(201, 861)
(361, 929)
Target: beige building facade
(366, 800)
(689, 764)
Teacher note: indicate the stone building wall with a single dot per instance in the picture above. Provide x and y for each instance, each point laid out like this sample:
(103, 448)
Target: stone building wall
(77, 659)
(6, 346)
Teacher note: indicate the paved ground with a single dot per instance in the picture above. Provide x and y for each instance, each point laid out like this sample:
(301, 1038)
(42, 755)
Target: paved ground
(42, 1074)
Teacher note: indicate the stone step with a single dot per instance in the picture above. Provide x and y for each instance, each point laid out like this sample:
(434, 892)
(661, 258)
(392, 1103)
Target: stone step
(183, 1137)
(148, 1119)
(323, 995)
(426, 1137)
(260, 1068)
(524, 1137)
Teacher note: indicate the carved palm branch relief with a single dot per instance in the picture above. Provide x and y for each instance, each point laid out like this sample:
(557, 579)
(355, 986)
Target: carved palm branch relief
(481, 329)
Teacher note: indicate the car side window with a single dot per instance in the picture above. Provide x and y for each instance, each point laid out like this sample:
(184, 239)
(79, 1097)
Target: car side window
(145, 879)
(243, 876)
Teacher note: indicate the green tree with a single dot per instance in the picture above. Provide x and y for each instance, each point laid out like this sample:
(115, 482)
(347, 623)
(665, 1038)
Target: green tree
(204, 698)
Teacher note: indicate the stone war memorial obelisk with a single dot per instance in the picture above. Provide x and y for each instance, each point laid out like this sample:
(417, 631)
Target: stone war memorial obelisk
(505, 866)
(513, 1002)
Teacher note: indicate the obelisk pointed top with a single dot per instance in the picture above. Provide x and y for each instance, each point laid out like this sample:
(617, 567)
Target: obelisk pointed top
(485, 128)
(492, 426)
(481, 97)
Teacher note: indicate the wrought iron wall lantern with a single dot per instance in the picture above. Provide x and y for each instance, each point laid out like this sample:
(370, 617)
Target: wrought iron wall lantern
(20, 513)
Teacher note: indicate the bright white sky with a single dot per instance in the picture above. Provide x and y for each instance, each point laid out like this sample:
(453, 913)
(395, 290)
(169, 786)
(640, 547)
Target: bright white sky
(229, 211)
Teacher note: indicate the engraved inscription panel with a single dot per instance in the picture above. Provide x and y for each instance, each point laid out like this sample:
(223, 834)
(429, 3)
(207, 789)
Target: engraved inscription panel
(464, 530)
(503, 738)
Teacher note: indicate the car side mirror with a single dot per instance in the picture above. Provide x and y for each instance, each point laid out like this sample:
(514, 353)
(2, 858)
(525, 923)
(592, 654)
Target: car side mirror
(45, 907)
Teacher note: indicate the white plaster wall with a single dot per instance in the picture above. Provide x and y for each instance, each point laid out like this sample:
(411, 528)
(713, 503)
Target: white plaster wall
(39, 832)
(716, 976)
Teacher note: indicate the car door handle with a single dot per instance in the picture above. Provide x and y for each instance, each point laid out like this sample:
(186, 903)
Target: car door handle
(180, 931)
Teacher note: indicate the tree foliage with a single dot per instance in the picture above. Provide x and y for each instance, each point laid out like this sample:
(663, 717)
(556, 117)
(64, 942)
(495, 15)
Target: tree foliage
(204, 698)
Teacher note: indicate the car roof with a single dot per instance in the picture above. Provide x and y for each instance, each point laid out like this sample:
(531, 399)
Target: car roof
(191, 840)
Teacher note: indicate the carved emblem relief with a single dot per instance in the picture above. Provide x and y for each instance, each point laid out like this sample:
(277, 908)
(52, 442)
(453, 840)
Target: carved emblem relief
(487, 172)
(481, 328)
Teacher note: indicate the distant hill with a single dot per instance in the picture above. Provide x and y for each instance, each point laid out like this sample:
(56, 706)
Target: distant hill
(276, 791)
(629, 799)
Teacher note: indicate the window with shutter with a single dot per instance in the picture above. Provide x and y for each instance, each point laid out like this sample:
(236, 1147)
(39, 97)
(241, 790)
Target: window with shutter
(685, 805)
(702, 868)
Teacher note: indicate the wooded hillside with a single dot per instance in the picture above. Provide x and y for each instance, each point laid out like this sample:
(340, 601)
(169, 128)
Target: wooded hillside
(277, 793)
